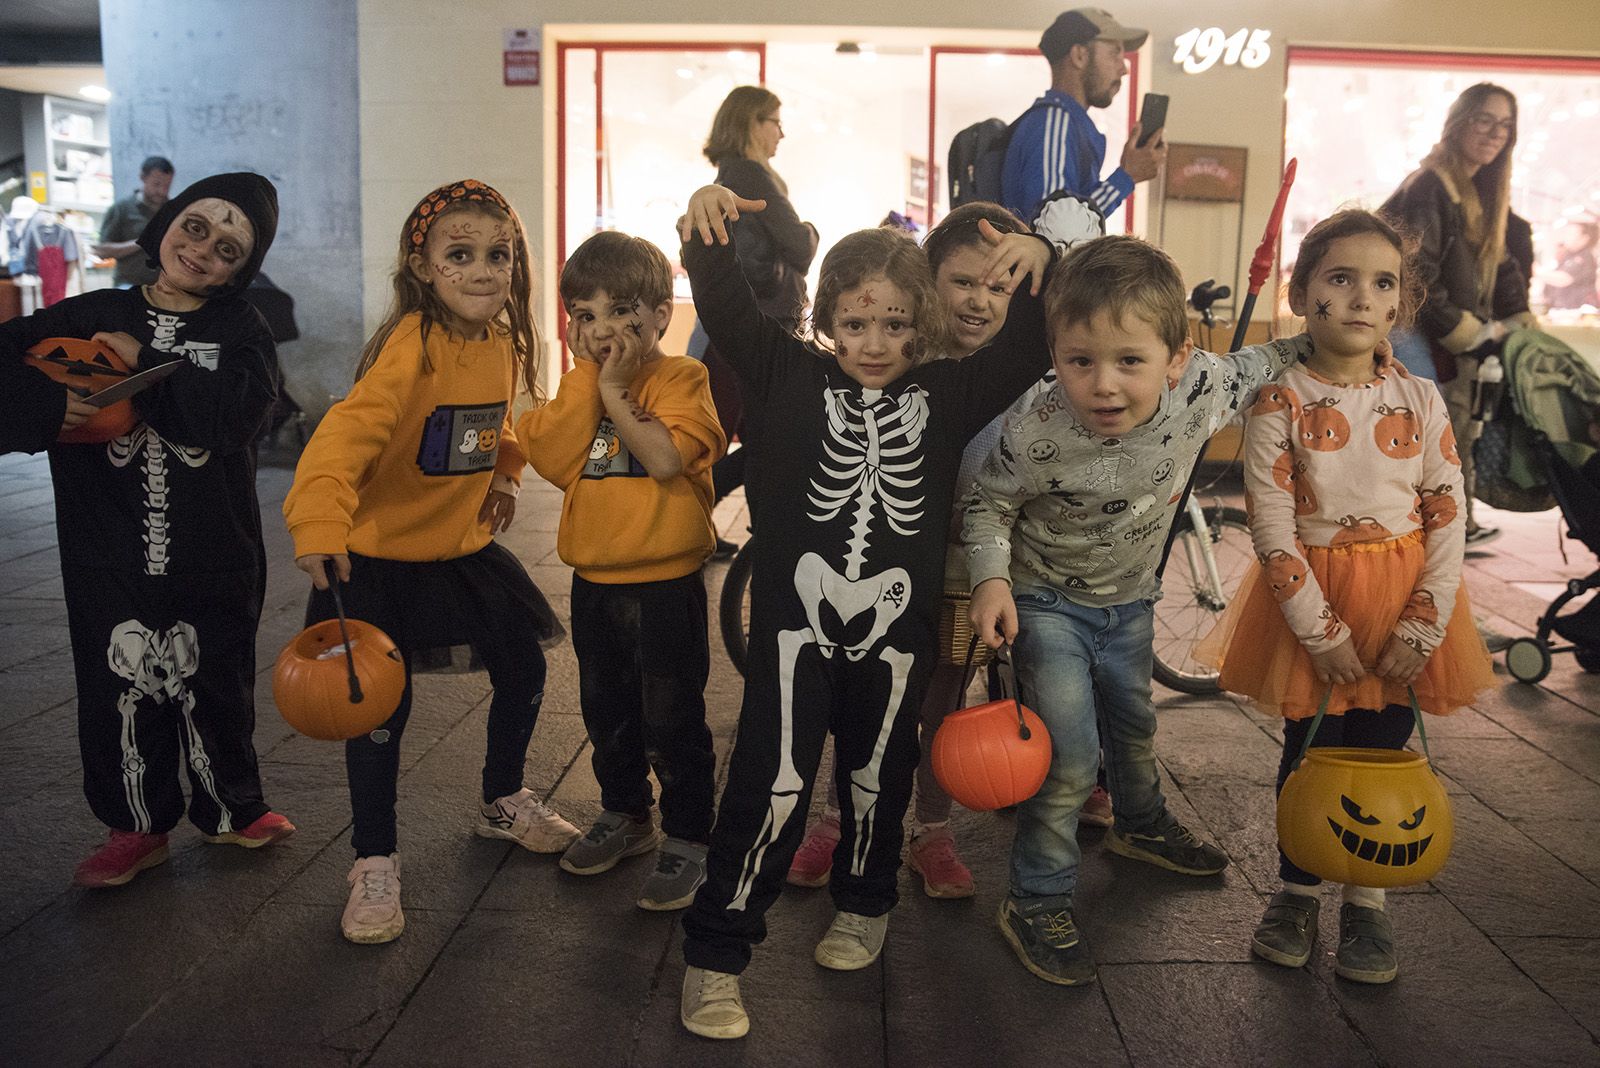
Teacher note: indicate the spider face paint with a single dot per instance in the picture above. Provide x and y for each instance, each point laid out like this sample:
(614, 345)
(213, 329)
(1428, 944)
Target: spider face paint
(873, 334)
(602, 319)
(1352, 296)
(1322, 308)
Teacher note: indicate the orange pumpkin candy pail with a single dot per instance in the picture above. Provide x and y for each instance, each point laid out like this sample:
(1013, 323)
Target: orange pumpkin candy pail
(992, 755)
(87, 367)
(338, 679)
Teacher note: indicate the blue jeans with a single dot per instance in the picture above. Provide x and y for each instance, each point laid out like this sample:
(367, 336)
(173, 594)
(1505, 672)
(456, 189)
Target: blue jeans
(1072, 663)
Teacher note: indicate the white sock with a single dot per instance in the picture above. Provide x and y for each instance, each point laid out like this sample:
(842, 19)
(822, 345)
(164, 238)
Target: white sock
(1368, 897)
(1301, 889)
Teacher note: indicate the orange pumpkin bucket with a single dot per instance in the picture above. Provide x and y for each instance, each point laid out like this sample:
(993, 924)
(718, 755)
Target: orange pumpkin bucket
(338, 679)
(992, 755)
(86, 367)
(1367, 817)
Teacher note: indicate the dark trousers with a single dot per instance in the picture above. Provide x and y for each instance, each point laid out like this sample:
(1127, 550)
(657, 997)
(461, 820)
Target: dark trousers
(1359, 728)
(165, 668)
(643, 661)
(850, 698)
(501, 630)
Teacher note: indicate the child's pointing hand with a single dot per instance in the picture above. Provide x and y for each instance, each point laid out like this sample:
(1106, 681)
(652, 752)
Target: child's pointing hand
(708, 208)
(1013, 257)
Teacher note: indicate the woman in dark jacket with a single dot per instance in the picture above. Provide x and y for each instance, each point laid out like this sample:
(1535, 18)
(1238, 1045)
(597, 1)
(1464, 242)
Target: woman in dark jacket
(775, 249)
(1457, 205)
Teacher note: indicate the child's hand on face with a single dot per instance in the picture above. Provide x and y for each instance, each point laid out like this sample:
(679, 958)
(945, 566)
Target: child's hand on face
(315, 565)
(1339, 664)
(124, 345)
(993, 613)
(710, 205)
(498, 510)
(627, 356)
(1013, 257)
(1399, 661)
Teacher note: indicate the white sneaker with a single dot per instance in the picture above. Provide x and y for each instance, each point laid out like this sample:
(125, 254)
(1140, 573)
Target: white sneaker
(711, 1006)
(524, 819)
(852, 942)
(372, 915)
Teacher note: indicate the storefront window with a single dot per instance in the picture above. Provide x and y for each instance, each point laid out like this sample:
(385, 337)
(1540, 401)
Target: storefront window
(1359, 122)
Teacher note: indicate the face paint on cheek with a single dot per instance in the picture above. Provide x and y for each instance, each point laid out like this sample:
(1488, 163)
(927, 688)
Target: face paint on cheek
(1390, 317)
(909, 350)
(448, 272)
(636, 327)
(1322, 308)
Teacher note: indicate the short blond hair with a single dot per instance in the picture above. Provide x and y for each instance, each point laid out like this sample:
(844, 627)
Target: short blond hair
(1123, 276)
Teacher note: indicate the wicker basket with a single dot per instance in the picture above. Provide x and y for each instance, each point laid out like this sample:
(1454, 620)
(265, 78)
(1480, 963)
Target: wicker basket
(955, 632)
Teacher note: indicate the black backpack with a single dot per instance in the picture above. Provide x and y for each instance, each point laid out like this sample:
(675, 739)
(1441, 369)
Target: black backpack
(977, 156)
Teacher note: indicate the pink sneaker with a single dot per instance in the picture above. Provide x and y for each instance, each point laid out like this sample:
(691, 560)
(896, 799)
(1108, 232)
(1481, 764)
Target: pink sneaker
(933, 856)
(813, 862)
(125, 854)
(1096, 811)
(265, 830)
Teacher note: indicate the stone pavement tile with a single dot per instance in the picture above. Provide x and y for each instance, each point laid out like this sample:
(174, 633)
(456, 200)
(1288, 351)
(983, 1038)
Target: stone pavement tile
(1516, 780)
(1457, 1000)
(288, 989)
(1567, 969)
(25, 573)
(1229, 1014)
(1198, 739)
(42, 839)
(784, 1032)
(30, 610)
(26, 690)
(526, 989)
(38, 753)
(21, 642)
(1464, 723)
(18, 543)
(1572, 841)
(43, 591)
(1149, 916)
(1507, 885)
(456, 760)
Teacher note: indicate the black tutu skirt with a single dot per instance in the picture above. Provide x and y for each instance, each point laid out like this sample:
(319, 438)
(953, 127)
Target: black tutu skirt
(439, 603)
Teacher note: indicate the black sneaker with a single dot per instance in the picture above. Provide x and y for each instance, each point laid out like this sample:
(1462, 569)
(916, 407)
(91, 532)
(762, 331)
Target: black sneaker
(1176, 849)
(1366, 946)
(1287, 930)
(1046, 940)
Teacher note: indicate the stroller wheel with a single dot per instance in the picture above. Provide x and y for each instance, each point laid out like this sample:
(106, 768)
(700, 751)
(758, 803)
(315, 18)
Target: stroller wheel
(1528, 660)
(1588, 659)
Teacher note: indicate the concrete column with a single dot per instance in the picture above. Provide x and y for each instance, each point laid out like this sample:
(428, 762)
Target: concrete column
(268, 86)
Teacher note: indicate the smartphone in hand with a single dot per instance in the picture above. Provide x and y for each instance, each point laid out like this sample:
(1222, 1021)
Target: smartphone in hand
(1152, 117)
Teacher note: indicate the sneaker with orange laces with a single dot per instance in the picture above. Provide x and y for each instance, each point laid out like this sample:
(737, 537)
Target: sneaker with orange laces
(265, 830)
(933, 856)
(1096, 812)
(813, 862)
(125, 854)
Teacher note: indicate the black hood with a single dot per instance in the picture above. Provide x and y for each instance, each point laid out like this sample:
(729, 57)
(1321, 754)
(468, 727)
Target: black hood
(251, 193)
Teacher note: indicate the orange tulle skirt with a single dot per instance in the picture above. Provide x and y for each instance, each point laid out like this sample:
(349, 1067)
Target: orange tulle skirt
(1367, 584)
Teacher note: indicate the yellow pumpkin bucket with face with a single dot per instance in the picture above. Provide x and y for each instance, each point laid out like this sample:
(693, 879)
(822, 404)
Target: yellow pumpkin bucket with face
(1368, 817)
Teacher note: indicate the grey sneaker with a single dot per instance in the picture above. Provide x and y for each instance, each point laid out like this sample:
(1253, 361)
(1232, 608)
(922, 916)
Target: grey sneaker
(680, 869)
(1366, 946)
(1176, 849)
(711, 1006)
(1045, 938)
(612, 837)
(1287, 929)
(852, 942)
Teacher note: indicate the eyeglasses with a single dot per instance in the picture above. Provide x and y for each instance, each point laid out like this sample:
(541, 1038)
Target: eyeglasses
(1485, 123)
(776, 123)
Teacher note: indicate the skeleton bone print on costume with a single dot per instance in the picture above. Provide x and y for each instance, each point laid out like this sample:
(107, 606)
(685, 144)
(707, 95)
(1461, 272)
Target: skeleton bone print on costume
(872, 457)
(157, 662)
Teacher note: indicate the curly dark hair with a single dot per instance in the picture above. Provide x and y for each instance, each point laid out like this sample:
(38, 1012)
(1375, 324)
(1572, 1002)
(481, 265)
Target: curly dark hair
(891, 254)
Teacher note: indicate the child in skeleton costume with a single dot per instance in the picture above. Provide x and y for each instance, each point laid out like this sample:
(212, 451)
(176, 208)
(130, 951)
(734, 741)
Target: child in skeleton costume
(401, 491)
(630, 439)
(1064, 532)
(957, 254)
(852, 495)
(160, 535)
(1354, 488)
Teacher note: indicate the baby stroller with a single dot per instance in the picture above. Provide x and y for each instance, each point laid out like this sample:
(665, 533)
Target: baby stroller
(1539, 450)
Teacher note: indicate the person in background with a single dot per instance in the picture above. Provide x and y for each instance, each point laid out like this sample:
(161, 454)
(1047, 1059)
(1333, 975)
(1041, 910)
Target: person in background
(1572, 283)
(775, 251)
(1055, 145)
(126, 220)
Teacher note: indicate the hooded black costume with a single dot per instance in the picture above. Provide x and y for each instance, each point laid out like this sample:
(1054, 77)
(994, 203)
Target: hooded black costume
(162, 562)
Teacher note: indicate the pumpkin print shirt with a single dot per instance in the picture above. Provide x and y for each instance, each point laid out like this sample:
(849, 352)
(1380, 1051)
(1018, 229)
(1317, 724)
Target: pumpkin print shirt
(1333, 465)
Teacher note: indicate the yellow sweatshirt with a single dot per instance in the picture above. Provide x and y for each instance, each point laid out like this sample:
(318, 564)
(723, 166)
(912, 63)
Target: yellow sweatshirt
(400, 468)
(617, 523)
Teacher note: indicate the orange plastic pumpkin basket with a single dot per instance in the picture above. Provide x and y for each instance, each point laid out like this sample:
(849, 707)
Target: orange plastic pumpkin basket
(338, 679)
(86, 367)
(992, 755)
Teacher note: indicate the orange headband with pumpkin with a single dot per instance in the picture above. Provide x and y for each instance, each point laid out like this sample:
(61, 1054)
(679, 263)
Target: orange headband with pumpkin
(442, 200)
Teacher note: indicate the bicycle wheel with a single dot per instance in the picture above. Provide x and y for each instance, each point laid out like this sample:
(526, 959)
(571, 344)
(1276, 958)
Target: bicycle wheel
(1191, 603)
(733, 607)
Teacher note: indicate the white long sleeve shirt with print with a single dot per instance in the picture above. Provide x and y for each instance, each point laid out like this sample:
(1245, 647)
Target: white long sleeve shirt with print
(1058, 505)
(1331, 465)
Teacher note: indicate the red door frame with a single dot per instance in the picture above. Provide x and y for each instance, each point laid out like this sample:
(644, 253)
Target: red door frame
(600, 48)
(936, 51)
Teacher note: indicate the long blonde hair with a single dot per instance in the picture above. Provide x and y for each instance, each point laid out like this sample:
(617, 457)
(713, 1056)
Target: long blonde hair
(1486, 194)
(515, 321)
(730, 136)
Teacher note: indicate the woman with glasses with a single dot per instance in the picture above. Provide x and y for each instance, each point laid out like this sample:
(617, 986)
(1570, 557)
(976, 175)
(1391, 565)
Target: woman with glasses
(1456, 206)
(775, 251)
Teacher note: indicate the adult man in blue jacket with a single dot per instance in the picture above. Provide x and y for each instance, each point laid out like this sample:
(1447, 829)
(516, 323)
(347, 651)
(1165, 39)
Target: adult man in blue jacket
(1055, 145)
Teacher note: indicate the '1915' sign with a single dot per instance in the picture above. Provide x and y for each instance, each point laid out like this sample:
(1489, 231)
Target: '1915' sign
(1199, 50)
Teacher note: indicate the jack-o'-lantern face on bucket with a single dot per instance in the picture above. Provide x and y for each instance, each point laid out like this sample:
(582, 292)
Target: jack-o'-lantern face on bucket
(1368, 817)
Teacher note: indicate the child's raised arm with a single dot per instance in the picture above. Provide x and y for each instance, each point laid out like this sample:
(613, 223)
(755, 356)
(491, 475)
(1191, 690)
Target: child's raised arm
(992, 378)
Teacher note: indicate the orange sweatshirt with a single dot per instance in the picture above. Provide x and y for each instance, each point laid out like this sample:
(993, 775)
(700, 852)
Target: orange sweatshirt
(400, 468)
(617, 523)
